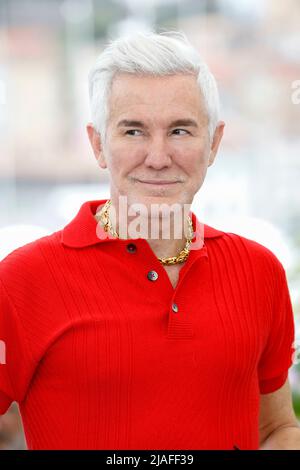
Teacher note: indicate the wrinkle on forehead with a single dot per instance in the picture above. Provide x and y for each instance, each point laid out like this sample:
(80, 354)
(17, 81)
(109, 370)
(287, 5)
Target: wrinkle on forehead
(176, 94)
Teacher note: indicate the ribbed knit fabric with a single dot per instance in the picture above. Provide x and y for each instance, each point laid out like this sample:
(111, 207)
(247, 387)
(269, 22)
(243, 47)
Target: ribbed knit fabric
(97, 358)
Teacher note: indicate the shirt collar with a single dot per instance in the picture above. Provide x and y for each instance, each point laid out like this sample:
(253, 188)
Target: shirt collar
(83, 230)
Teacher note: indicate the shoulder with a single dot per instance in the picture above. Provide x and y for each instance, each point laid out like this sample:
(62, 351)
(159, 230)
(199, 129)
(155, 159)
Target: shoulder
(242, 250)
(28, 258)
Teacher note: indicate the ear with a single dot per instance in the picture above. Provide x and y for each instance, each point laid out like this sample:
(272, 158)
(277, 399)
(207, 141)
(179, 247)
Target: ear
(95, 141)
(218, 134)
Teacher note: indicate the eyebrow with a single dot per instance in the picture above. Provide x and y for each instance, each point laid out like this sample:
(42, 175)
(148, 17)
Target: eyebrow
(177, 122)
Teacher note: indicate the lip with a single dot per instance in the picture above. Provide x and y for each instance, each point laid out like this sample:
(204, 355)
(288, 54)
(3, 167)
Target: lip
(160, 182)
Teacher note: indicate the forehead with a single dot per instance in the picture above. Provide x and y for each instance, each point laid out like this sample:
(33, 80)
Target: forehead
(155, 95)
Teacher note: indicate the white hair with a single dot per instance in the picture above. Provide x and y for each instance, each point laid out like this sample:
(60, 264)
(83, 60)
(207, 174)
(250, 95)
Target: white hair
(149, 53)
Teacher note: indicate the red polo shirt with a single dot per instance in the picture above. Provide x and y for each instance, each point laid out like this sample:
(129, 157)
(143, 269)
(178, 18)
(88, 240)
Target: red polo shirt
(102, 355)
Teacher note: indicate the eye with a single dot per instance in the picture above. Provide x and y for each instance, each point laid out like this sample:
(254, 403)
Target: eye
(132, 130)
(184, 130)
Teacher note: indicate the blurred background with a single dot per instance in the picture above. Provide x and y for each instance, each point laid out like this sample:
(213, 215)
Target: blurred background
(47, 169)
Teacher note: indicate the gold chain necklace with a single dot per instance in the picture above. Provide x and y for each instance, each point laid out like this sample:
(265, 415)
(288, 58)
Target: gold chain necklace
(104, 218)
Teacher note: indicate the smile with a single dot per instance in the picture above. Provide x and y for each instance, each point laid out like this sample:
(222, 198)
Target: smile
(163, 182)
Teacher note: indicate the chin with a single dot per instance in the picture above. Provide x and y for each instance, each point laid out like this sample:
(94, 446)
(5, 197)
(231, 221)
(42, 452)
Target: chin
(156, 200)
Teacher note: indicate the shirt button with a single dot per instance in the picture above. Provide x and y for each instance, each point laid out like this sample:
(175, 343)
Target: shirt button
(175, 308)
(152, 275)
(131, 248)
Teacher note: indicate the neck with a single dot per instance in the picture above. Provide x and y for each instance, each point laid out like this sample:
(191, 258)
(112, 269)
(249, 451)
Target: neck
(166, 233)
(166, 248)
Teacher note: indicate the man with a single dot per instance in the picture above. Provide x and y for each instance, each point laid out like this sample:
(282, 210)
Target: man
(120, 339)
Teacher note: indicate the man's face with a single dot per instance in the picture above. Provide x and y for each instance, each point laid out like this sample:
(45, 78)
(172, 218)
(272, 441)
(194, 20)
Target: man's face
(157, 146)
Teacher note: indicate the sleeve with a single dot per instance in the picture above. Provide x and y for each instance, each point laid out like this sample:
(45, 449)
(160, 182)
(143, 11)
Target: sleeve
(277, 356)
(15, 360)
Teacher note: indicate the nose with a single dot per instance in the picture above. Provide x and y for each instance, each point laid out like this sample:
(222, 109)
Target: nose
(158, 154)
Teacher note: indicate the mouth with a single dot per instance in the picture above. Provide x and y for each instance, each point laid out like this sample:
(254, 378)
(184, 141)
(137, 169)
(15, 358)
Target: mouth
(158, 183)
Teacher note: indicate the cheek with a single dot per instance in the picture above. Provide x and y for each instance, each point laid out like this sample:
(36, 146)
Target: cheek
(120, 160)
(194, 161)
